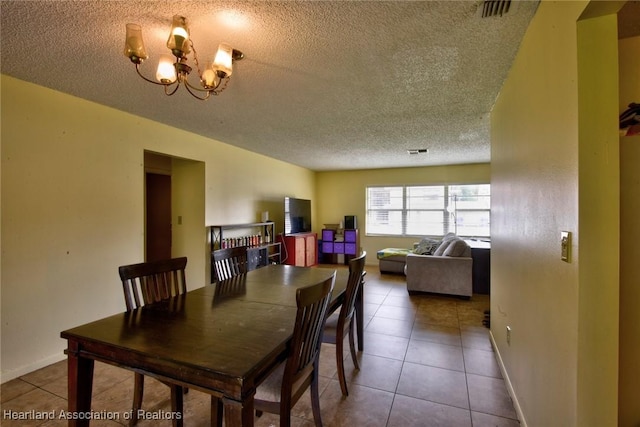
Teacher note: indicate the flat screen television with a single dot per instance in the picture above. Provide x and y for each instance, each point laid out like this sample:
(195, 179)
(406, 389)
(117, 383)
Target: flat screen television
(297, 215)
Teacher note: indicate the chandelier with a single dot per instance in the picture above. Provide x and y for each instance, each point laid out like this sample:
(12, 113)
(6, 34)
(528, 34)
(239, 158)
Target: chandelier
(173, 70)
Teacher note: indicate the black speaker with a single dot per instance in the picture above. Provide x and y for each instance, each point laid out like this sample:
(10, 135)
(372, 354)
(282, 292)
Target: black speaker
(350, 222)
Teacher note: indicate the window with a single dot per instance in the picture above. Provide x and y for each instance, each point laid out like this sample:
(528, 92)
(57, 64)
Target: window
(429, 210)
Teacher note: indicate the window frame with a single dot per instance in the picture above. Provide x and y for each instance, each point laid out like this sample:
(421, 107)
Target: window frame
(446, 225)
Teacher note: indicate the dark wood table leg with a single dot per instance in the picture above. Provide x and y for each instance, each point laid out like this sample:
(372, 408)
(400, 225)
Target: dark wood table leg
(177, 405)
(238, 414)
(216, 411)
(80, 384)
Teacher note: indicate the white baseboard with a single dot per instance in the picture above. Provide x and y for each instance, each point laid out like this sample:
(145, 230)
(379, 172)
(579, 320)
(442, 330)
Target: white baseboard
(507, 381)
(23, 370)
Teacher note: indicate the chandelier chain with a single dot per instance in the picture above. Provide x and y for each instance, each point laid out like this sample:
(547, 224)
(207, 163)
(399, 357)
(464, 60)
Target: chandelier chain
(195, 57)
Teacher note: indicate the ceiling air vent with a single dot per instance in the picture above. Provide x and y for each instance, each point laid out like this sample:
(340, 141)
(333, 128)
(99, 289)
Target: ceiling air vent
(414, 151)
(495, 7)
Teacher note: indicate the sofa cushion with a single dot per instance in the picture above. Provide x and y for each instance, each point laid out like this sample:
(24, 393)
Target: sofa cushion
(457, 247)
(426, 246)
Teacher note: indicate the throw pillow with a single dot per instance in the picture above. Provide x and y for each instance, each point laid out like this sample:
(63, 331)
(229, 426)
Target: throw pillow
(443, 247)
(450, 236)
(456, 248)
(426, 246)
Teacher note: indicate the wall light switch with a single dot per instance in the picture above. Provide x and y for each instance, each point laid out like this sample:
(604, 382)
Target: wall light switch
(565, 245)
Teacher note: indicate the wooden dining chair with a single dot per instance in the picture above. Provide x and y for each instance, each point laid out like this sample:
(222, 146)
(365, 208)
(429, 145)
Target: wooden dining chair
(337, 327)
(280, 391)
(229, 262)
(146, 283)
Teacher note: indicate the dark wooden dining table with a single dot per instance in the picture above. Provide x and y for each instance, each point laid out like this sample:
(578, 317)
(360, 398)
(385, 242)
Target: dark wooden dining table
(223, 339)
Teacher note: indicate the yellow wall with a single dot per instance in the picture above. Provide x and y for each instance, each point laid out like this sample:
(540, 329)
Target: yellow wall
(344, 193)
(599, 219)
(629, 396)
(554, 167)
(73, 209)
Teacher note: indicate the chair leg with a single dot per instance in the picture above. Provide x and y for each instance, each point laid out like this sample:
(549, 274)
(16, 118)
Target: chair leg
(340, 363)
(138, 390)
(177, 405)
(315, 399)
(283, 408)
(352, 345)
(216, 411)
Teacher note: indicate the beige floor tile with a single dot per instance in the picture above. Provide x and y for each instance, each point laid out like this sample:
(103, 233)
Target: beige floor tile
(372, 287)
(478, 339)
(434, 384)
(385, 345)
(411, 412)
(397, 313)
(481, 362)
(370, 309)
(364, 406)
(434, 354)
(33, 408)
(438, 316)
(486, 420)
(435, 333)
(327, 361)
(400, 300)
(374, 298)
(14, 388)
(490, 396)
(376, 372)
(394, 327)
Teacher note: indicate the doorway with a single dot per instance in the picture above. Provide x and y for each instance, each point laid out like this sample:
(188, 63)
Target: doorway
(158, 216)
(174, 213)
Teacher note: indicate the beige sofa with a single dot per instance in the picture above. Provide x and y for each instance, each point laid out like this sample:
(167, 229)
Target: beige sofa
(447, 271)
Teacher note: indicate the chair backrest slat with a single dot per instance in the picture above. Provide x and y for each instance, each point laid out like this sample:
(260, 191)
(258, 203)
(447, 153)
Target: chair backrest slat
(356, 272)
(149, 282)
(312, 302)
(229, 262)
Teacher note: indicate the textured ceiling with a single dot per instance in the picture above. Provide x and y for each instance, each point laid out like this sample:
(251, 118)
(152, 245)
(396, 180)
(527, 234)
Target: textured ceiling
(327, 85)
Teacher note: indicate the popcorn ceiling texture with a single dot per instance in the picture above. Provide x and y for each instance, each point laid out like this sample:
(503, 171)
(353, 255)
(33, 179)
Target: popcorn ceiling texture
(325, 85)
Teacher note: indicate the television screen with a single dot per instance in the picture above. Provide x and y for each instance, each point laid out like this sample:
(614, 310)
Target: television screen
(297, 215)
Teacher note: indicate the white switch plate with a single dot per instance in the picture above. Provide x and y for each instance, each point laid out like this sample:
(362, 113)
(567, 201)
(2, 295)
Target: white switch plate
(565, 246)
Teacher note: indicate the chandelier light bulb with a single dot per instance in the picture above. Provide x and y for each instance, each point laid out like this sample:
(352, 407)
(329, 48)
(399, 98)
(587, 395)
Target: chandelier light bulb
(179, 36)
(166, 70)
(210, 78)
(222, 62)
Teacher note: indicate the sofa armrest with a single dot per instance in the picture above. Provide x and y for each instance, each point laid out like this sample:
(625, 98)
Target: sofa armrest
(439, 274)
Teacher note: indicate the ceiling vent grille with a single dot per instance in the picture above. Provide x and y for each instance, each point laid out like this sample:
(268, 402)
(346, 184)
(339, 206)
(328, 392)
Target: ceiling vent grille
(495, 7)
(414, 151)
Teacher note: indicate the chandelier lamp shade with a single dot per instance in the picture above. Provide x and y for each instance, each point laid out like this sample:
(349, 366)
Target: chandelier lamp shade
(174, 69)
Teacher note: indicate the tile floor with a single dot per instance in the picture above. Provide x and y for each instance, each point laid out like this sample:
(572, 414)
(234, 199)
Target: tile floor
(427, 361)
